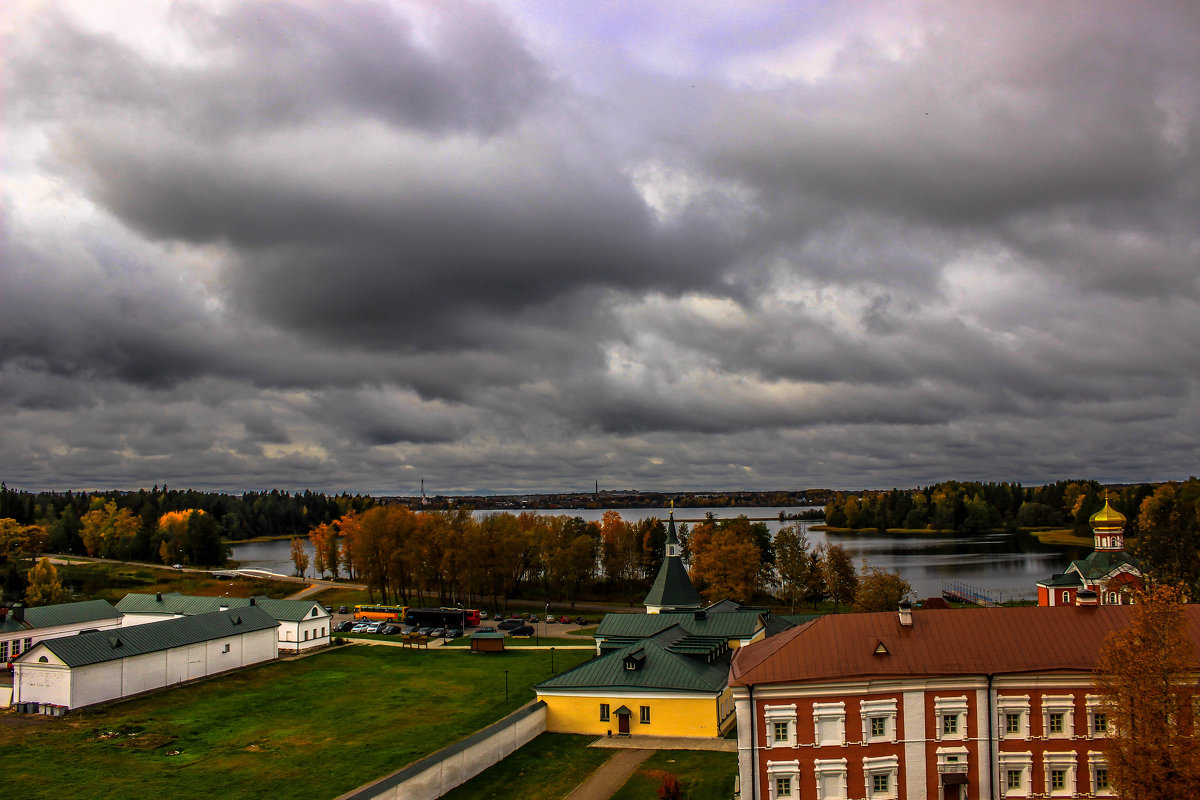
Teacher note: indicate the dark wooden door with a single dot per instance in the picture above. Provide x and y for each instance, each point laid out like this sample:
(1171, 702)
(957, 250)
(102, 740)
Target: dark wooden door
(623, 724)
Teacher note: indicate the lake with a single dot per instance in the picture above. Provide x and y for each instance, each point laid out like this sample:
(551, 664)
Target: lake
(1006, 566)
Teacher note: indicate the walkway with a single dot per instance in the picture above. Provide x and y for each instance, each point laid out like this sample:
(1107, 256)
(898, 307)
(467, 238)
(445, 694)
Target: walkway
(665, 743)
(610, 776)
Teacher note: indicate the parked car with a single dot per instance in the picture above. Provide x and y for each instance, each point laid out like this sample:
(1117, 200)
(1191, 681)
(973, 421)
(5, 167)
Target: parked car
(485, 630)
(524, 630)
(344, 627)
(510, 623)
(453, 633)
(390, 630)
(343, 610)
(581, 621)
(533, 618)
(483, 615)
(360, 627)
(424, 631)
(177, 566)
(564, 619)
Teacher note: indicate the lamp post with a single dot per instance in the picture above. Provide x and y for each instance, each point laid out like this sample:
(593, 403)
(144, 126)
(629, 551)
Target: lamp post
(552, 660)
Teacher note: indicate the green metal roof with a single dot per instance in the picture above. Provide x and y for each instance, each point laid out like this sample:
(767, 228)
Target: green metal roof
(672, 587)
(661, 670)
(62, 614)
(727, 625)
(1065, 579)
(190, 605)
(136, 640)
(1101, 563)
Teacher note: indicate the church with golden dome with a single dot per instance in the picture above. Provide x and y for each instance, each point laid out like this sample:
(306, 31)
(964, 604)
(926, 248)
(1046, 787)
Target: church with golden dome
(1109, 576)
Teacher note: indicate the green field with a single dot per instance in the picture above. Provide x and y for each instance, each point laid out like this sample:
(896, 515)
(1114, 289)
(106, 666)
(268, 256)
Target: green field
(703, 774)
(312, 728)
(547, 768)
(99, 580)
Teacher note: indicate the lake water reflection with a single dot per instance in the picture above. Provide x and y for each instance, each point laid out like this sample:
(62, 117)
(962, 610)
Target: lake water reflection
(1003, 565)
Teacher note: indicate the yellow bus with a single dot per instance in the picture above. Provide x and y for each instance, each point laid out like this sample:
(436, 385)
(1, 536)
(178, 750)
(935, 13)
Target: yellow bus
(384, 613)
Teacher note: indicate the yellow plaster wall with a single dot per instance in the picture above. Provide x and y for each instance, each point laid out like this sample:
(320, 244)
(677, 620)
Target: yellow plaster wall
(681, 716)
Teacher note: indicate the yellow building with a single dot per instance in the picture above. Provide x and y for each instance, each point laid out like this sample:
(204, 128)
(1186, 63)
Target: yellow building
(666, 685)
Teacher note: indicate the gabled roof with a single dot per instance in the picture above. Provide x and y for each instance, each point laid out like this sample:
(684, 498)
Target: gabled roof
(101, 646)
(62, 614)
(1103, 562)
(189, 605)
(659, 670)
(969, 641)
(1064, 580)
(727, 625)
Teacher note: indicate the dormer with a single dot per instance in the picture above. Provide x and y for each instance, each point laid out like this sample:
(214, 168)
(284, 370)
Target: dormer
(635, 660)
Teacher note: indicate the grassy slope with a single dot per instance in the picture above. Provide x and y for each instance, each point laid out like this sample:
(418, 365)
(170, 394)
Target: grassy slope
(95, 580)
(547, 768)
(312, 728)
(705, 775)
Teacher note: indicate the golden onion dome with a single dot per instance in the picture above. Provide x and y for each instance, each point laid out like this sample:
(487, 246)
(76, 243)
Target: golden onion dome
(1107, 517)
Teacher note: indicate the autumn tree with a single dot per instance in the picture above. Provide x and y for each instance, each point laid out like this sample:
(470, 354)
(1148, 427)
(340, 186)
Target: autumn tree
(107, 530)
(880, 590)
(841, 579)
(1146, 675)
(1168, 535)
(621, 551)
(725, 563)
(319, 537)
(793, 566)
(171, 533)
(299, 556)
(44, 588)
(20, 540)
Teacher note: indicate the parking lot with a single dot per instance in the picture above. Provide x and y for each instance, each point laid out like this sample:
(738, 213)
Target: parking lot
(540, 628)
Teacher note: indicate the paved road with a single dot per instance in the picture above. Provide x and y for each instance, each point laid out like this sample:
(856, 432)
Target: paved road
(610, 776)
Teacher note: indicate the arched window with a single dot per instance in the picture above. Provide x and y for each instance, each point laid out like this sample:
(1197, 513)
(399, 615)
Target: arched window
(1066, 598)
(43, 660)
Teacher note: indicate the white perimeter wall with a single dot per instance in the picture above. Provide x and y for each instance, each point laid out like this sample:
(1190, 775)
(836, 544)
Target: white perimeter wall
(96, 683)
(437, 774)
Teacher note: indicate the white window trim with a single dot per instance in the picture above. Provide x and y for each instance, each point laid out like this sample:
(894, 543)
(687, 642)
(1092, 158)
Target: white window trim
(1095, 705)
(1064, 761)
(836, 767)
(944, 764)
(878, 708)
(773, 714)
(1016, 761)
(1013, 704)
(883, 765)
(1058, 704)
(1098, 760)
(947, 706)
(783, 769)
(835, 711)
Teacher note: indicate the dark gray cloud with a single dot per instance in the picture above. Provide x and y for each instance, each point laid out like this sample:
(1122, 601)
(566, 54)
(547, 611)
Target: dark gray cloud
(505, 247)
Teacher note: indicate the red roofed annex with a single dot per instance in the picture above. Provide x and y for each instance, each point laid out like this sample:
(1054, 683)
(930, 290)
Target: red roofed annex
(950, 704)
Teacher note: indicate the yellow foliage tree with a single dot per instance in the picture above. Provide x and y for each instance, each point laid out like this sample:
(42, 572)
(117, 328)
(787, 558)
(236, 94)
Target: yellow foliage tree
(45, 588)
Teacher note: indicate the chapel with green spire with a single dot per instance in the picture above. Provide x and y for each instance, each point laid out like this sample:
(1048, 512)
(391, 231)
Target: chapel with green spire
(672, 587)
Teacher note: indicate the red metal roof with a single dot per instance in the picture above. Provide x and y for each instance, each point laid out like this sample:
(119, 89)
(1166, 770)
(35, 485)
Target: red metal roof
(976, 641)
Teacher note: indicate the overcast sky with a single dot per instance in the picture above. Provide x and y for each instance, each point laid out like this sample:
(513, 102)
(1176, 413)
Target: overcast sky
(520, 246)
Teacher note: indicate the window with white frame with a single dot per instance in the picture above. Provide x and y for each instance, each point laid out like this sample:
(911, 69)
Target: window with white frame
(1059, 773)
(604, 717)
(831, 778)
(881, 777)
(4, 651)
(878, 720)
(783, 779)
(951, 759)
(829, 722)
(1014, 716)
(950, 717)
(1098, 774)
(1066, 598)
(1058, 716)
(1097, 717)
(781, 725)
(1016, 771)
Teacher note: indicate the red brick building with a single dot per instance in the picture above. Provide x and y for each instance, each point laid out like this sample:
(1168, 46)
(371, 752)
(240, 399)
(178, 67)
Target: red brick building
(960, 704)
(1111, 573)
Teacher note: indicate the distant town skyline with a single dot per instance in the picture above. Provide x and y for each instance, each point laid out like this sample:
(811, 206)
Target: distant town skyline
(526, 246)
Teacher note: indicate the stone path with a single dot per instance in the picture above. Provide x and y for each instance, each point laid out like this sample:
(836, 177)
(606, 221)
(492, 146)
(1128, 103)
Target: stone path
(610, 776)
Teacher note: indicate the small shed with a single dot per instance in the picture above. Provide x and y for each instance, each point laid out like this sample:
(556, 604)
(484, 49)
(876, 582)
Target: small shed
(487, 643)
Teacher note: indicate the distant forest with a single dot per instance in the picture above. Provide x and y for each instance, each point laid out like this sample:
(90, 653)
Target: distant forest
(977, 507)
(237, 517)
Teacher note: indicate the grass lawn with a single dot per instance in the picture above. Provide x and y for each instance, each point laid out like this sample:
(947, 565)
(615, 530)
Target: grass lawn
(547, 768)
(589, 632)
(703, 774)
(97, 580)
(312, 728)
(343, 597)
(1062, 537)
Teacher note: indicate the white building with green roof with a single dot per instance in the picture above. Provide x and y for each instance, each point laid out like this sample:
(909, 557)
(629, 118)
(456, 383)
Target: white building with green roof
(21, 628)
(75, 671)
(303, 624)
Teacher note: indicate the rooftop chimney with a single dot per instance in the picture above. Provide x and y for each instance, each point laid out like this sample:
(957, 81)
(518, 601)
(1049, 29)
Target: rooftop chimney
(1086, 598)
(701, 614)
(251, 601)
(158, 597)
(18, 613)
(906, 614)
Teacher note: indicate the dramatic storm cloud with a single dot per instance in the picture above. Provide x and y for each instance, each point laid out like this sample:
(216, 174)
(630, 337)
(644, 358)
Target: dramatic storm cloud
(529, 245)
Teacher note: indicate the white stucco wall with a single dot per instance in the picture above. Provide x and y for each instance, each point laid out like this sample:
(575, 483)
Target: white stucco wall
(97, 683)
